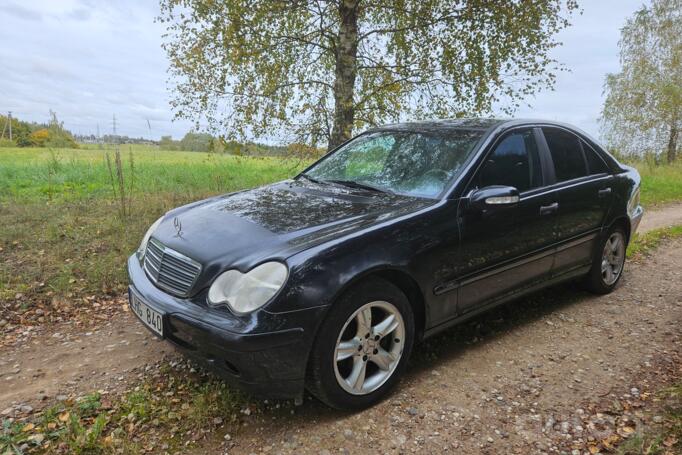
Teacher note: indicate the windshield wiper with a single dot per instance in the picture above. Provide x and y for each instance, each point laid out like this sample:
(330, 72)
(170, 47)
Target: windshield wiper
(363, 186)
(307, 177)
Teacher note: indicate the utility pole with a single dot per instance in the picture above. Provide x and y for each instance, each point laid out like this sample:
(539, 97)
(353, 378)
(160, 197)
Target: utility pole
(114, 123)
(9, 119)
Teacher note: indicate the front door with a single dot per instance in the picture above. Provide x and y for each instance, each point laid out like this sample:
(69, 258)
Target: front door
(510, 248)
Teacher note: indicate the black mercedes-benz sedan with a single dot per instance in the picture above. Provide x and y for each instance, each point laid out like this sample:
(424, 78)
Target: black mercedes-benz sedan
(326, 281)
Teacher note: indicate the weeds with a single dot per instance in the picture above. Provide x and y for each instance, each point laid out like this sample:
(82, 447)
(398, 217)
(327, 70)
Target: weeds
(665, 438)
(642, 244)
(122, 192)
(162, 411)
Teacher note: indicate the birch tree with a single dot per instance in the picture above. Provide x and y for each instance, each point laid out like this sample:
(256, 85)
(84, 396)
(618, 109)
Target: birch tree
(316, 70)
(643, 108)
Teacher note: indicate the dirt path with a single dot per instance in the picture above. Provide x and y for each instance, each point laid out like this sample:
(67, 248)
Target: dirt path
(63, 361)
(518, 381)
(489, 386)
(670, 215)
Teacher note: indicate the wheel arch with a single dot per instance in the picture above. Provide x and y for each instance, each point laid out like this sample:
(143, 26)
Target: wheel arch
(623, 222)
(403, 281)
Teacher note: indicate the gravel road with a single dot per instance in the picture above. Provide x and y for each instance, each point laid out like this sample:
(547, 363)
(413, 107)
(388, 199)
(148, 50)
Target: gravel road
(523, 378)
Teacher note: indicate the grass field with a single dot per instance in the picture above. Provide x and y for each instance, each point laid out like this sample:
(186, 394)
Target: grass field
(660, 184)
(63, 235)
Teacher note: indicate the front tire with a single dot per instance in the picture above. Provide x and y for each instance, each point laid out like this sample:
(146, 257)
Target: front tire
(608, 263)
(362, 346)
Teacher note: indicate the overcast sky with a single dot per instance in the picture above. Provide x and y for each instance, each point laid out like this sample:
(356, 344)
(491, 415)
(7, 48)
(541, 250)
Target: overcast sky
(89, 60)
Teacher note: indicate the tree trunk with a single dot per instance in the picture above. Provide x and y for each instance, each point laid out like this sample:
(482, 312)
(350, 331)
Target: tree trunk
(346, 71)
(672, 141)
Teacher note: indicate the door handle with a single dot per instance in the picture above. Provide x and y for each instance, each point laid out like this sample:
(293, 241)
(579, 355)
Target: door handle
(549, 209)
(604, 192)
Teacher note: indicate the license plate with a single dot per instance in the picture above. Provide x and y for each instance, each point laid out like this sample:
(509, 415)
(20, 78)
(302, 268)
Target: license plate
(151, 318)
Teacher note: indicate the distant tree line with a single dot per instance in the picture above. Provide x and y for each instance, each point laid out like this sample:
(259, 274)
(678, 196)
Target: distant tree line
(204, 142)
(32, 134)
(113, 139)
(53, 134)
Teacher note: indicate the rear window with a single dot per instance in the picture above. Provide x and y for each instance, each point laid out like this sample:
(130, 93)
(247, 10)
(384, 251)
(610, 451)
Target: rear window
(595, 163)
(567, 154)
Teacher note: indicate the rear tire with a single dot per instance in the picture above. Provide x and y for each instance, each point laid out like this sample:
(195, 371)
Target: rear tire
(362, 347)
(608, 262)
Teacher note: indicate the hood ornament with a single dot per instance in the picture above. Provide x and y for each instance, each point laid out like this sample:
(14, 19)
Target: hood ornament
(178, 227)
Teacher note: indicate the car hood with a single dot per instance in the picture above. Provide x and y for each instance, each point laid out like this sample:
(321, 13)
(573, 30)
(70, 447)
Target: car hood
(275, 221)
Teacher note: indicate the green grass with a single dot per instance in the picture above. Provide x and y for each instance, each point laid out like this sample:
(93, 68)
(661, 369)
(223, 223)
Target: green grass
(29, 174)
(63, 236)
(660, 184)
(160, 412)
(642, 244)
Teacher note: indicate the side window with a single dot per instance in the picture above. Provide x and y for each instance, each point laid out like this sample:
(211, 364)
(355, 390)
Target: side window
(566, 154)
(595, 163)
(514, 162)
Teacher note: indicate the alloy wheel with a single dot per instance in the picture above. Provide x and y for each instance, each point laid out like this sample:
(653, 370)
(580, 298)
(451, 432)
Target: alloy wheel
(613, 258)
(369, 347)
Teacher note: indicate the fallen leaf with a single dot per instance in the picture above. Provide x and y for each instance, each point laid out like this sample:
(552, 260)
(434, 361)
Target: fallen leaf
(28, 427)
(670, 441)
(64, 416)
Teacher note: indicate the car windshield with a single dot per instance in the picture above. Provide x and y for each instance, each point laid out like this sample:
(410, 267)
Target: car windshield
(411, 163)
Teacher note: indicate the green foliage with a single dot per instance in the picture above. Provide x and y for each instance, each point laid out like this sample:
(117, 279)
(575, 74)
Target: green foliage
(63, 201)
(20, 130)
(643, 108)
(315, 71)
(11, 438)
(7, 143)
(643, 243)
(25, 134)
(58, 136)
(167, 143)
(661, 184)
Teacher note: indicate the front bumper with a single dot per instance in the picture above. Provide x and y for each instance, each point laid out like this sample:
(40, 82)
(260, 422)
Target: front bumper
(262, 353)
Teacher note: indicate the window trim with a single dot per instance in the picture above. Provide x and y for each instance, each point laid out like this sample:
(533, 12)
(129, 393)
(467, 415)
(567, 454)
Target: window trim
(556, 182)
(490, 148)
(584, 144)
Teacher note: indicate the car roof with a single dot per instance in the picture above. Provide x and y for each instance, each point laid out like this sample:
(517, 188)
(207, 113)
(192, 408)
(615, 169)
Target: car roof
(481, 124)
(476, 123)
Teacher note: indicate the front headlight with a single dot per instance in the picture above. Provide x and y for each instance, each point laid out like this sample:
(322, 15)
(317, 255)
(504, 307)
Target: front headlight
(246, 292)
(145, 239)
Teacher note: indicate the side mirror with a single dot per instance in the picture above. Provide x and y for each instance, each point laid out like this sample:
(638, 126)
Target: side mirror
(492, 197)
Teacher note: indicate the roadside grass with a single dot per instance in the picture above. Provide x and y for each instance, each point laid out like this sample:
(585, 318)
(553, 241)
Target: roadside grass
(166, 413)
(661, 184)
(664, 437)
(65, 235)
(38, 175)
(643, 244)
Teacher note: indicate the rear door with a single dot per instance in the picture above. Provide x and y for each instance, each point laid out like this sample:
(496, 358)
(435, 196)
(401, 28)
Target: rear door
(583, 189)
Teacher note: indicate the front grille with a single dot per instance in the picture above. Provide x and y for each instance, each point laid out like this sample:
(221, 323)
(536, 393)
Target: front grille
(170, 270)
